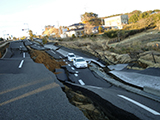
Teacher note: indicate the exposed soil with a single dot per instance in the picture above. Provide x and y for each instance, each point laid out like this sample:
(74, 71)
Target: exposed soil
(44, 58)
(85, 104)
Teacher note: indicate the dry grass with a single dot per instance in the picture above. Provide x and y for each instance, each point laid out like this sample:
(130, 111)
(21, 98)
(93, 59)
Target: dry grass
(125, 51)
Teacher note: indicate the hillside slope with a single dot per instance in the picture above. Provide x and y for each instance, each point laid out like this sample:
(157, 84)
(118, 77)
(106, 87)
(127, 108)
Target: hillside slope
(142, 50)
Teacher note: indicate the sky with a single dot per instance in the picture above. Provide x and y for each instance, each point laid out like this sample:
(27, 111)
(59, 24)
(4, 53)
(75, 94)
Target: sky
(16, 15)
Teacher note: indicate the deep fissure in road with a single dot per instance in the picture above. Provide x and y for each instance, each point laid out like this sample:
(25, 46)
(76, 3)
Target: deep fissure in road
(3, 50)
(92, 105)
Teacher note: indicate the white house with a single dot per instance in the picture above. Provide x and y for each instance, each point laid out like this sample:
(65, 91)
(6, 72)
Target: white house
(117, 21)
(76, 29)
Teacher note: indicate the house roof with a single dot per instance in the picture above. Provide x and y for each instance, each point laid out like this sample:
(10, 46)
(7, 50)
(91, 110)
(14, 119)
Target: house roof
(76, 24)
(76, 29)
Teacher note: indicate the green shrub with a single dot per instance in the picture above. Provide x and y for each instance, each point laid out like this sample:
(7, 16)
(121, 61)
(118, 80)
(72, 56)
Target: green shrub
(92, 35)
(44, 40)
(73, 36)
(111, 33)
(85, 36)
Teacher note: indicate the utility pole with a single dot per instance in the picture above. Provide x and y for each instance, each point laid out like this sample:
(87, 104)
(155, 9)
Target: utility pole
(85, 8)
(59, 28)
(26, 28)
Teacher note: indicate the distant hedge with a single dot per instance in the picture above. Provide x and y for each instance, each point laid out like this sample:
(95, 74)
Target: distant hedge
(111, 33)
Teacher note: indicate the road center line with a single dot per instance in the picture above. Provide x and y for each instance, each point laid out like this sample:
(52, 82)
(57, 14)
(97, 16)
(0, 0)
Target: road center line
(140, 105)
(76, 75)
(24, 55)
(94, 87)
(81, 82)
(53, 52)
(72, 68)
(20, 65)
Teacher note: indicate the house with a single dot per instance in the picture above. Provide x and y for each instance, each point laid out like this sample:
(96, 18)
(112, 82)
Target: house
(117, 21)
(96, 29)
(63, 35)
(76, 29)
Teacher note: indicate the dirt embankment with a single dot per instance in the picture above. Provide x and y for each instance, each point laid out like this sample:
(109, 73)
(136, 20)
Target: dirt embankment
(85, 104)
(44, 58)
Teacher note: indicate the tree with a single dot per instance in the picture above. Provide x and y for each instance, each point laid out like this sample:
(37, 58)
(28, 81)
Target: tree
(100, 29)
(1, 39)
(22, 38)
(136, 12)
(73, 36)
(134, 18)
(156, 10)
(91, 20)
(88, 16)
(14, 38)
(44, 40)
(31, 34)
(143, 15)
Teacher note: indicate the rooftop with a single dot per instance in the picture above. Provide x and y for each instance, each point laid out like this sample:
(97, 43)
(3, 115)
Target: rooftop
(76, 24)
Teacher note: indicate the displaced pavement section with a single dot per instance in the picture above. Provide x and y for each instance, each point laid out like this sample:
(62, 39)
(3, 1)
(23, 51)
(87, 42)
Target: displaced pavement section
(148, 79)
(145, 91)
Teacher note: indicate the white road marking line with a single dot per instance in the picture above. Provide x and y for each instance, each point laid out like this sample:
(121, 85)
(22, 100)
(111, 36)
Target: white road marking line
(69, 65)
(81, 82)
(24, 55)
(60, 57)
(94, 87)
(20, 65)
(66, 62)
(77, 72)
(140, 105)
(72, 68)
(53, 52)
(76, 75)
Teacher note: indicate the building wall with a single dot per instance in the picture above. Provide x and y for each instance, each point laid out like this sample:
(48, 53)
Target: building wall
(117, 21)
(75, 31)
